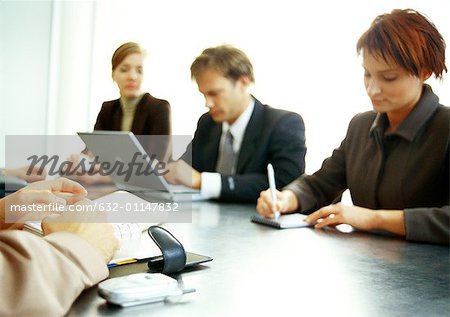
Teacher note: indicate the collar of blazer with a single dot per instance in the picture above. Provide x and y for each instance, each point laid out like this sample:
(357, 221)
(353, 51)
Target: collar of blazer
(252, 132)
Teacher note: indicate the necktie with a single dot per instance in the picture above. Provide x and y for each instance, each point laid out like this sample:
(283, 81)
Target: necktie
(225, 164)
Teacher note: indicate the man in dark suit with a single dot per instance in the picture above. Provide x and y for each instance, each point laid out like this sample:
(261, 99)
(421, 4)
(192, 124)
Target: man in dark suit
(239, 136)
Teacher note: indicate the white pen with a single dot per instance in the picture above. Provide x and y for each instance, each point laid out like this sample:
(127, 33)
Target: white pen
(273, 189)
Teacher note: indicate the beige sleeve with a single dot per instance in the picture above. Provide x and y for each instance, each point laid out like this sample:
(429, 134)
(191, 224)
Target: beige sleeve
(43, 276)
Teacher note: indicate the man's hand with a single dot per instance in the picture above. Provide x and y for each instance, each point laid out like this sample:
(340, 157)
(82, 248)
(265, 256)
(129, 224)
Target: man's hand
(181, 173)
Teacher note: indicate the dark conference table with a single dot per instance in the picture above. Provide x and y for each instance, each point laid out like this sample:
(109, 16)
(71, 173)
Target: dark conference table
(261, 271)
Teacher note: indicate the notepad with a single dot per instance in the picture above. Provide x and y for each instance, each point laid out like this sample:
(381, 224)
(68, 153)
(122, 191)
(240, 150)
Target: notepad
(283, 222)
(136, 245)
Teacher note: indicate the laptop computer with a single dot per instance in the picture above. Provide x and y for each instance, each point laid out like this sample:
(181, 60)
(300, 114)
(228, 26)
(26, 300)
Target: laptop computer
(122, 148)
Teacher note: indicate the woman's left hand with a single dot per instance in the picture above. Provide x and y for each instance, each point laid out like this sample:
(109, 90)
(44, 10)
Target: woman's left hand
(332, 215)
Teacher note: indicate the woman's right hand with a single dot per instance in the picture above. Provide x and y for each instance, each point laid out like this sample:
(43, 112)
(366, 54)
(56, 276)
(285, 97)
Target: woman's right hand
(27, 173)
(286, 203)
(38, 193)
(100, 235)
(88, 174)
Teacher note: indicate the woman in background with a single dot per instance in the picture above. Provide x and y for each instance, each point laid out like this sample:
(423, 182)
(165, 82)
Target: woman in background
(136, 111)
(395, 159)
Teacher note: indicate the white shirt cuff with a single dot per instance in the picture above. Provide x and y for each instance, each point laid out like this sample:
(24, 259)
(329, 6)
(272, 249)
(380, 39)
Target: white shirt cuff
(211, 185)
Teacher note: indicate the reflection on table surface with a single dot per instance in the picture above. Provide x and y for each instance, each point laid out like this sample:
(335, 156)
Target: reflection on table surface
(261, 271)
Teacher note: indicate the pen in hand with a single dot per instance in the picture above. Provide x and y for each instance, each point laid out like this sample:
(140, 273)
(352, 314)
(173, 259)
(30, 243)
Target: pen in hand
(273, 189)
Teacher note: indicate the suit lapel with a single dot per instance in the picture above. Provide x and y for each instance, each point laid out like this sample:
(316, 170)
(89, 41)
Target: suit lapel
(139, 116)
(117, 116)
(211, 147)
(252, 132)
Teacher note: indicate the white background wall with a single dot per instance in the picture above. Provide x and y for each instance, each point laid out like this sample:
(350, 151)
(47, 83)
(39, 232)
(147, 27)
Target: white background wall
(55, 59)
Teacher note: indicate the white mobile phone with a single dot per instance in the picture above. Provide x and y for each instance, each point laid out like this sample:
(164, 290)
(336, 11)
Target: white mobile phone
(140, 288)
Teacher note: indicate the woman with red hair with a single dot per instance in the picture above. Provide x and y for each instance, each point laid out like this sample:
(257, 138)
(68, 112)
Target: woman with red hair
(395, 159)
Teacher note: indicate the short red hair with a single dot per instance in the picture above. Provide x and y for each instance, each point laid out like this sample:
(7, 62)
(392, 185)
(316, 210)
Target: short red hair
(408, 39)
